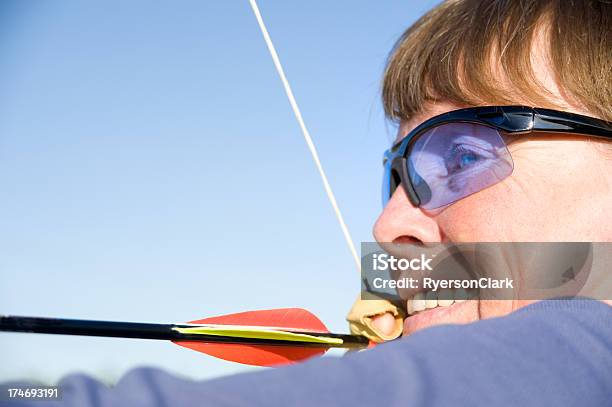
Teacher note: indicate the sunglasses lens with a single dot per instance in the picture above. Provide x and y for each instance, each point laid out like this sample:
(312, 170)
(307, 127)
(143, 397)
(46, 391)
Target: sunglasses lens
(452, 161)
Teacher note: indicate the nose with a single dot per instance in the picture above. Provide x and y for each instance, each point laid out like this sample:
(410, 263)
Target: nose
(402, 222)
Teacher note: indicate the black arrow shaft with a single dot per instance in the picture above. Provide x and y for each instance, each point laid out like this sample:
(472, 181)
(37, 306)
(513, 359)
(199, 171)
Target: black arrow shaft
(138, 330)
(87, 327)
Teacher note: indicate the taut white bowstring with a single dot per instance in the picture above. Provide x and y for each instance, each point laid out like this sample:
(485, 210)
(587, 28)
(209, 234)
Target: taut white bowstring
(305, 133)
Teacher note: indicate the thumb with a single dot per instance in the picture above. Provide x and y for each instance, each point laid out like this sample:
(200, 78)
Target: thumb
(384, 323)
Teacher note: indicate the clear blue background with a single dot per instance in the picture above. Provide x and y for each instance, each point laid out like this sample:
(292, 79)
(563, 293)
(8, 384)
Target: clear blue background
(151, 168)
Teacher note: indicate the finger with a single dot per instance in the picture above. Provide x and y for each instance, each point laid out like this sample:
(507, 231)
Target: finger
(384, 323)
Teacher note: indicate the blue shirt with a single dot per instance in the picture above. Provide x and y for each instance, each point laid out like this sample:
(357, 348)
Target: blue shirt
(551, 353)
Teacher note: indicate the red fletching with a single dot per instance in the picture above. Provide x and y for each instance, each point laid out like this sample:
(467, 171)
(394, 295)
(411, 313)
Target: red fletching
(256, 355)
(294, 319)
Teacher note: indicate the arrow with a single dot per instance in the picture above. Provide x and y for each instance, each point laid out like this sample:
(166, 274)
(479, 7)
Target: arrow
(260, 338)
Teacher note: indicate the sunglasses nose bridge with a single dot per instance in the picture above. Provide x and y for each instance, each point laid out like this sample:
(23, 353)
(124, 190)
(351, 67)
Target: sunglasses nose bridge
(399, 175)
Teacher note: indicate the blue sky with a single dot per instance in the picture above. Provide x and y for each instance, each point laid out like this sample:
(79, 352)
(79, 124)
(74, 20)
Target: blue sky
(151, 168)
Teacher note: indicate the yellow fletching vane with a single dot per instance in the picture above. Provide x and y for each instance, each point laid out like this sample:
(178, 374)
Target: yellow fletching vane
(256, 333)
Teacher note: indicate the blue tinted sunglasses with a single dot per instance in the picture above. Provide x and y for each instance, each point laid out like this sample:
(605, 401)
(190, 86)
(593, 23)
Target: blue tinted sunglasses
(459, 153)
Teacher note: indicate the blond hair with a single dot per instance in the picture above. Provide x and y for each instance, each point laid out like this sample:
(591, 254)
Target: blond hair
(458, 50)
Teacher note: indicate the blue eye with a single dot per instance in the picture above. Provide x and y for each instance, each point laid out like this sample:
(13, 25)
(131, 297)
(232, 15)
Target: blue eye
(467, 159)
(461, 157)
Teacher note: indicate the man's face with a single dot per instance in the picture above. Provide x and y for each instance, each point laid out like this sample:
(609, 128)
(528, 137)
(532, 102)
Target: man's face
(560, 190)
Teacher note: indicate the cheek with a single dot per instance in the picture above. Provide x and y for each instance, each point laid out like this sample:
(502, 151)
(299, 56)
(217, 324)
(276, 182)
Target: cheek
(512, 210)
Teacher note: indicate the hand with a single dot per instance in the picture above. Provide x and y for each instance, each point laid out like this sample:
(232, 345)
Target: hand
(377, 319)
